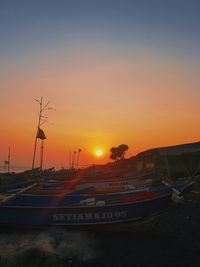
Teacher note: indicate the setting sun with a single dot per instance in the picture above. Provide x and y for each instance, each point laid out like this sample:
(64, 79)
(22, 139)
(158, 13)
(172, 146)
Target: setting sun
(98, 152)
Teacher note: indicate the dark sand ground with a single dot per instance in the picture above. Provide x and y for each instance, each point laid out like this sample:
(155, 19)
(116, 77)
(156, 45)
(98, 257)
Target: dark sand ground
(173, 241)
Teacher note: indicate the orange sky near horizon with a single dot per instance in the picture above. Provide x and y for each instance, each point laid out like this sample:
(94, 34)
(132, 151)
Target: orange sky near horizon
(145, 101)
(117, 72)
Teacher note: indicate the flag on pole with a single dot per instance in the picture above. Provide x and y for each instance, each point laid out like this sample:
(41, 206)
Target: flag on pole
(40, 134)
(79, 150)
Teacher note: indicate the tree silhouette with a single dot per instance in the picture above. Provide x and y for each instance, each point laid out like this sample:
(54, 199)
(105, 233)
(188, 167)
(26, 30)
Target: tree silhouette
(118, 153)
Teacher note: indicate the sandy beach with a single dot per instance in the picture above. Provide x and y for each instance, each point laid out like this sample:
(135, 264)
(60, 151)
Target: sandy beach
(174, 240)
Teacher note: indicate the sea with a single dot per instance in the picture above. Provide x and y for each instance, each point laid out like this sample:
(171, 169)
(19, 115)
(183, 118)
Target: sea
(15, 169)
(173, 240)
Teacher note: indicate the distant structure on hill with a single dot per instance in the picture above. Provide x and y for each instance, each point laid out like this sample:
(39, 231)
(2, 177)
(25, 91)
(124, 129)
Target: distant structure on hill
(173, 161)
(172, 150)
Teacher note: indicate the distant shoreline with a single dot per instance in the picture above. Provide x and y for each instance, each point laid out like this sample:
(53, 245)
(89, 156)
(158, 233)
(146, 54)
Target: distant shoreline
(15, 169)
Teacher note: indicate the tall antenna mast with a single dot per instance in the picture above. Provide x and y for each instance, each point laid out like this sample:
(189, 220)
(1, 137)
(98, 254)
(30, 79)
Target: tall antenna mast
(38, 125)
(40, 134)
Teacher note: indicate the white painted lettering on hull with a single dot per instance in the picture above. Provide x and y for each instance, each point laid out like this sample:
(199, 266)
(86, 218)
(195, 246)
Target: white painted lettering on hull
(96, 216)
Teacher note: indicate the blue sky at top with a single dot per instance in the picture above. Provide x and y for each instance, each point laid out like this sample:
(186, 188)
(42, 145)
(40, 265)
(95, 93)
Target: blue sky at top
(169, 26)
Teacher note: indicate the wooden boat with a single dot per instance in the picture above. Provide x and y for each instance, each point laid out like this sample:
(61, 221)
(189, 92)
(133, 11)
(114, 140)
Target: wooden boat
(103, 184)
(75, 204)
(27, 207)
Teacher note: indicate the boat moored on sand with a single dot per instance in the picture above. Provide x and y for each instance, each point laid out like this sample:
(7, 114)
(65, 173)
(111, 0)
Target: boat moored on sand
(31, 206)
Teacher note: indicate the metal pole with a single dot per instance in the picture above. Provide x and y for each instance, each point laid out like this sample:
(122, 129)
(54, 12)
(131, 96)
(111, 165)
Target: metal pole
(70, 160)
(8, 159)
(42, 153)
(35, 145)
(73, 160)
(41, 121)
(79, 151)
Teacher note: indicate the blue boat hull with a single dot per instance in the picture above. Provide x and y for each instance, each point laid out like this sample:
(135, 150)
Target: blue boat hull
(80, 216)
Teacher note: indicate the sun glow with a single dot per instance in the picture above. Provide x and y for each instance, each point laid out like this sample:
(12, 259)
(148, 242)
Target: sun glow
(98, 152)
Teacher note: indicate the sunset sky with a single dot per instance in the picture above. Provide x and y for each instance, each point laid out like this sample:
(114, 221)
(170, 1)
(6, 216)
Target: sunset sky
(115, 71)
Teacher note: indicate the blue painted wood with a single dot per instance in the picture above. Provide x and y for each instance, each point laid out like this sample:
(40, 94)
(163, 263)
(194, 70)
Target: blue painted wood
(68, 199)
(53, 184)
(83, 215)
(16, 185)
(67, 192)
(59, 209)
(63, 199)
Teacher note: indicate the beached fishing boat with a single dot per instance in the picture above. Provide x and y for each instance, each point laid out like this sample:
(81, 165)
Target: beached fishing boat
(80, 200)
(30, 206)
(104, 184)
